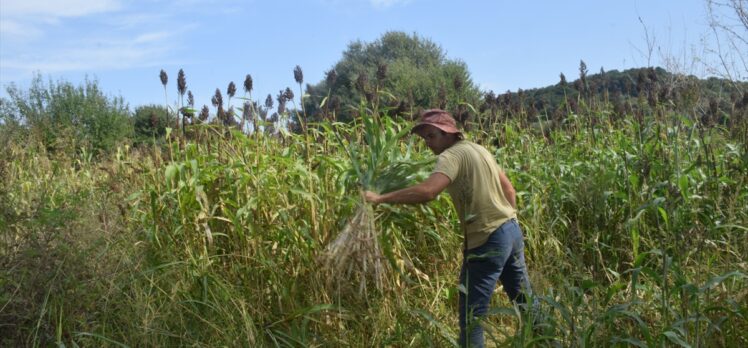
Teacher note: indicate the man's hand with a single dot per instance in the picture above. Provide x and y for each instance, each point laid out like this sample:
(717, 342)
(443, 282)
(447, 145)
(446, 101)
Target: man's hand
(372, 197)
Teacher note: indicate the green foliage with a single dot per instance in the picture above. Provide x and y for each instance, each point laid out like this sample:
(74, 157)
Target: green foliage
(403, 71)
(67, 118)
(641, 89)
(62, 234)
(634, 230)
(379, 162)
(150, 123)
(634, 233)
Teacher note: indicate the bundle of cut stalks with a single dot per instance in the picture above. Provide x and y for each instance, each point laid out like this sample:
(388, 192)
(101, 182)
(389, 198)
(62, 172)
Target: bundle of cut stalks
(355, 255)
(381, 164)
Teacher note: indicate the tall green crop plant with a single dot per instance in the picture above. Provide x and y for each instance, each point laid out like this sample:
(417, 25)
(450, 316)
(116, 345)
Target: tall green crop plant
(378, 163)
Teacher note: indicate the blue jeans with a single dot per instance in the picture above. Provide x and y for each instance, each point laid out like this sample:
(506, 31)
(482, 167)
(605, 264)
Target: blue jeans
(502, 257)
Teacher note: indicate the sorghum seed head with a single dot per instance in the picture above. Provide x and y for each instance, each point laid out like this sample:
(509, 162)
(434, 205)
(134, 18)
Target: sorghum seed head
(582, 69)
(381, 72)
(362, 82)
(204, 113)
(231, 89)
(164, 77)
(298, 75)
(218, 99)
(269, 102)
(181, 82)
(458, 82)
(489, 97)
(190, 99)
(332, 75)
(248, 83)
(281, 102)
(288, 94)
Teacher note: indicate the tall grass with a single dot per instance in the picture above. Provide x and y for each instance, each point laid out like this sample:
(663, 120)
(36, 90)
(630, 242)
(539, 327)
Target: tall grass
(635, 234)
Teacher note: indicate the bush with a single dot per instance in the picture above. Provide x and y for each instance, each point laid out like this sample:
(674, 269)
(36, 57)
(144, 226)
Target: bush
(149, 123)
(65, 118)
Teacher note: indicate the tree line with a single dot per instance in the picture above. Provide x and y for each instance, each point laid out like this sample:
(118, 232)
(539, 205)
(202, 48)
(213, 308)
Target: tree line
(401, 73)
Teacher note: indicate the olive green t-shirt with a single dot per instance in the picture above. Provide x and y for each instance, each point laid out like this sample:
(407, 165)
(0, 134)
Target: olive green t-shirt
(475, 190)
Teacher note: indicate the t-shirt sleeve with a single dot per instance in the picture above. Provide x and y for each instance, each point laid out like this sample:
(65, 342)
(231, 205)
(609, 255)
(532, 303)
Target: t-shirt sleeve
(447, 164)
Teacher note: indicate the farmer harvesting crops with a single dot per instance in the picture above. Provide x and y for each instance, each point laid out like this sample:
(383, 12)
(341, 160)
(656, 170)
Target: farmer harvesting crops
(485, 203)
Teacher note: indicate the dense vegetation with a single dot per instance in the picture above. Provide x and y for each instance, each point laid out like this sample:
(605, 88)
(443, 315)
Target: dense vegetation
(409, 72)
(629, 91)
(173, 226)
(635, 233)
(65, 118)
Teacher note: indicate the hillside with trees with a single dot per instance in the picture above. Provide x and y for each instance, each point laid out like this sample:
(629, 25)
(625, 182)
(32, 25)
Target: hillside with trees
(715, 100)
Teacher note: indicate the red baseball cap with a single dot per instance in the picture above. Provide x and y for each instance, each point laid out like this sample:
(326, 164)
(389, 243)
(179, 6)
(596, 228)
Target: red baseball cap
(439, 119)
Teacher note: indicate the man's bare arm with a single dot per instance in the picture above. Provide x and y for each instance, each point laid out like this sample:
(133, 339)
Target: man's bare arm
(508, 189)
(420, 193)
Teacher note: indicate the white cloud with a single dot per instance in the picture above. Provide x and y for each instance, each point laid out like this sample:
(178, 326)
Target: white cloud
(113, 55)
(57, 8)
(11, 29)
(387, 3)
(22, 20)
(57, 36)
(126, 38)
(152, 37)
(135, 20)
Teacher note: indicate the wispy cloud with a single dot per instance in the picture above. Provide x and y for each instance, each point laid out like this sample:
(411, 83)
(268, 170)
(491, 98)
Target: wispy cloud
(154, 37)
(22, 20)
(59, 8)
(387, 3)
(15, 30)
(362, 5)
(71, 35)
(148, 49)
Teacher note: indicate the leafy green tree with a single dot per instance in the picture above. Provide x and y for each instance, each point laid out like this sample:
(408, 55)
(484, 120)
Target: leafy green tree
(66, 118)
(149, 123)
(401, 71)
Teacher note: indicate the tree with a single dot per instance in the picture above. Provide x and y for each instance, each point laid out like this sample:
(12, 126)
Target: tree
(400, 71)
(150, 123)
(66, 118)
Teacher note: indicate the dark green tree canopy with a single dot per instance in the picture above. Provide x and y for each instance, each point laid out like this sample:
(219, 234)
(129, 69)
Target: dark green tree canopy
(149, 123)
(400, 71)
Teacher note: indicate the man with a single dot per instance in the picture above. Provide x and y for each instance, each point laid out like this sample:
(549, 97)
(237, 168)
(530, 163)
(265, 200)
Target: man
(485, 202)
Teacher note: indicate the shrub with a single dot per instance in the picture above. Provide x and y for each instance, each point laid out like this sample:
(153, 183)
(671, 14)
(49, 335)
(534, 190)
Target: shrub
(67, 118)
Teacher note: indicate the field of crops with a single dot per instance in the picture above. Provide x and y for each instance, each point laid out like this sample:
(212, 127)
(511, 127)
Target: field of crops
(635, 235)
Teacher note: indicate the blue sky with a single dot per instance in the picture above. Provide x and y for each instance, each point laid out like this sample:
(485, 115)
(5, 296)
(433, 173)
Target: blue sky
(506, 44)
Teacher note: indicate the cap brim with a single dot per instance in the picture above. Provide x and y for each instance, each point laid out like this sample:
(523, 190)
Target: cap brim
(444, 128)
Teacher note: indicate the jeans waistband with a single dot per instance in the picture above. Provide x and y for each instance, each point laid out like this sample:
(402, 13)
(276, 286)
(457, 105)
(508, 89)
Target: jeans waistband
(508, 221)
